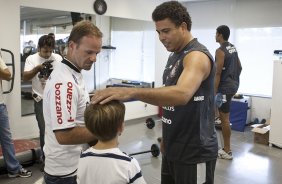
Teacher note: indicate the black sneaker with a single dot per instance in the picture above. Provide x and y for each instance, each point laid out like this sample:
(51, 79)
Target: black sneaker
(23, 173)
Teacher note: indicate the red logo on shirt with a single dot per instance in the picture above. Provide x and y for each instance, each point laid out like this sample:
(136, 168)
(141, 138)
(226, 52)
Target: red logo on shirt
(69, 100)
(58, 102)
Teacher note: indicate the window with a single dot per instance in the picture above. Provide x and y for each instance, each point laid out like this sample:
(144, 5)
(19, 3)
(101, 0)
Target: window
(255, 47)
(134, 56)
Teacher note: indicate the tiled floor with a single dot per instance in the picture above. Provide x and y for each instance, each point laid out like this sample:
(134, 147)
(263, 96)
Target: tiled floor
(252, 163)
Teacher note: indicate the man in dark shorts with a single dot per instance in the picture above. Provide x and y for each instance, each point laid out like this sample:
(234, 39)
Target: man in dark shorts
(228, 70)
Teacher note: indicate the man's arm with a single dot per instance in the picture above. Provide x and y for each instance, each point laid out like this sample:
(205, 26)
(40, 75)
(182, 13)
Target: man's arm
(196, 66)
(76, 135)
(219, 55)
(5, 74)
(28, 75)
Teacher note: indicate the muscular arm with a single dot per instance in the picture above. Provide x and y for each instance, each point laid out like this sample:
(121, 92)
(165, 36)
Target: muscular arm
(196, 66)
(76, 135)
(5, 74)
(219, 55)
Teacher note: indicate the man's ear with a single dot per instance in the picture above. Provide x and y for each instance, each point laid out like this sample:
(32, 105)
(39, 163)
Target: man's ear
(221, 36)
(71, 45)
(184, 25)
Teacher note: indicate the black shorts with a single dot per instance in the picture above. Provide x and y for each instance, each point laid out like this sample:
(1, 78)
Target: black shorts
(225, 107)
(180, 173)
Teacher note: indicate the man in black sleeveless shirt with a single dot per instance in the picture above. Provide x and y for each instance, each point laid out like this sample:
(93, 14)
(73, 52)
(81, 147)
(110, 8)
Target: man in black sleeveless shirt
(187, 98)
(228, 69)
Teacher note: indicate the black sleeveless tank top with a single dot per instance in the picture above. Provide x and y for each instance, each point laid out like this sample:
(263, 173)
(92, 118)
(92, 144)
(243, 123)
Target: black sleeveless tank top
(229, 79)
(188, 130)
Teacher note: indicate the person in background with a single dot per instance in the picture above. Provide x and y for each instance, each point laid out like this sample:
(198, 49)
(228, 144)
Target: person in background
(228, 70)
(56, 48)
(106, 122)
(14, 168)
(65, 99)
(37, 69)
(187, 98)
(53, 35)
(31, 44)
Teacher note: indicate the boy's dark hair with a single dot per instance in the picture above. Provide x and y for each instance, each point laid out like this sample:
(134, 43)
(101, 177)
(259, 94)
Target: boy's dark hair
(84, 28)
(46, 41)
(173, 10)
(104, 120)
(224, 31)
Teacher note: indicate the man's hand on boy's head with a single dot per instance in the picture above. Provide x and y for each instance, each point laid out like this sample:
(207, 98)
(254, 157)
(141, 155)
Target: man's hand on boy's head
(112, 93)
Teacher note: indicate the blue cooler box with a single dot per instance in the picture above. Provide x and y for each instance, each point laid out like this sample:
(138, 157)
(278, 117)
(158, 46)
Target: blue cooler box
(240, 113)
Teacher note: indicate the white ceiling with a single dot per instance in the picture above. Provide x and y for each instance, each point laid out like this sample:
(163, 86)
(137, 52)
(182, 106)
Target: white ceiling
(28, 13)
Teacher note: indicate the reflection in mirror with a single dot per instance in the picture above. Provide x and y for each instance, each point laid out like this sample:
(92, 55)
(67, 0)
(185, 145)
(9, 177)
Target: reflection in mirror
(128, 52)
(34, 23)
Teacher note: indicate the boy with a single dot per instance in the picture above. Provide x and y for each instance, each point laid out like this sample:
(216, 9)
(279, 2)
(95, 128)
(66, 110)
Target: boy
(105, 162)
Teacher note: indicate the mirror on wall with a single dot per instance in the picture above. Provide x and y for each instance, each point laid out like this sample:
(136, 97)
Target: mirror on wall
(35, 22)
(128, 51)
